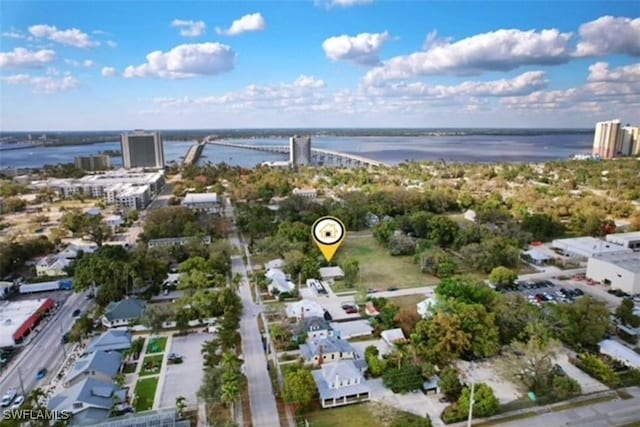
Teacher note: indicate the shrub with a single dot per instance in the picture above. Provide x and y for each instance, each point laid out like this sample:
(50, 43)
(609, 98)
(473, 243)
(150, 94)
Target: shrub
(598, 369)
(404, 379)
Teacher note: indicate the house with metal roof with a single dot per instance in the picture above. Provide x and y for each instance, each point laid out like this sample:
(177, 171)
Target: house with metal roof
(123, 312)
(341, 383)
(100, 365)
(314, 327)
(326, 350)
(115, 340)
(90, 401)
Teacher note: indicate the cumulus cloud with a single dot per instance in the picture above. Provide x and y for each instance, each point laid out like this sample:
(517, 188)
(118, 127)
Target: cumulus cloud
(247, 23)
(71, 37)
(24, 58)
(500, 50)
(109, 72)
(608, 35)
(303, 91)
(340, 3)
(47, 85)
(13, 34)
(363, 49)
(190, 28)
(185, 61)
(600, 72)
(87, 63)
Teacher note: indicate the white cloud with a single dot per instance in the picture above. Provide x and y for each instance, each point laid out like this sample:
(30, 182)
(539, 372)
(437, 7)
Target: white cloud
(609, 35)
(190, 28)
(500, 50)
(363, 49)
(185, 61)
(109, 72)
(600, 72)
(24, 58)
(71, 37)
(87, 63)
(48, 84)
(111, 43)
(247, 23)
(13, 34)
(341, 3)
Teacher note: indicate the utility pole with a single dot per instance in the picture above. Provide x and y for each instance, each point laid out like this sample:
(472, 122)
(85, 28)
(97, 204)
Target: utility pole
(471, 401)
(64, 349)
(21, 382)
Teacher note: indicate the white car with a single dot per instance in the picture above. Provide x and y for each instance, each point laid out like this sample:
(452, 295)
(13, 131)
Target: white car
(17, 403)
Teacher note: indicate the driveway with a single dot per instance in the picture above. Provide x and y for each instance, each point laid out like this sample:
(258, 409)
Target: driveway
(185, 378)
(587, 383)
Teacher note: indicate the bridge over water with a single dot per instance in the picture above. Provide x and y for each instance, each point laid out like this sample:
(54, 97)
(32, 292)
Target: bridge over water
(319, 155)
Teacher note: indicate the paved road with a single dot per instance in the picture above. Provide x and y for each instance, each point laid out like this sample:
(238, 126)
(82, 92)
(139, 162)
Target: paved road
(44, 350)
(264, 411)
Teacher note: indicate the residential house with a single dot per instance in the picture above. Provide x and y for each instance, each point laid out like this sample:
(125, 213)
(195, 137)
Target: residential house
(202, 202)
(326, 350)
(314, 328)
(90, 401)
(425, 306)
(72, 250)
(114, 340)
(100, 365)
(114, 222)
(123, 312)
(52, 265)
(275, 263)
(307, 192)
(331, 273)
(341, 383)
(304, 309)
(393, 336)
(279, 282)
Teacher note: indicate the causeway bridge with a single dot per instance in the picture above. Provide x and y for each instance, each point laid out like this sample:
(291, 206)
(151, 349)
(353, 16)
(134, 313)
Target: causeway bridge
(319, 155)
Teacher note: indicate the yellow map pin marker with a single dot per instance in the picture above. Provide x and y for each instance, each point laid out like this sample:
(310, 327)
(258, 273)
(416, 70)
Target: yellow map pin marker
(328, 232)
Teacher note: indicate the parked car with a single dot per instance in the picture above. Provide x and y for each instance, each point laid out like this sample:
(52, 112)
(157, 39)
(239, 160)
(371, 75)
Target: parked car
(8, 397)
(392, 288)
(17, 403)
(65, 338)
(174, 358)
(76, 312)
(89, 296)
(41, 373)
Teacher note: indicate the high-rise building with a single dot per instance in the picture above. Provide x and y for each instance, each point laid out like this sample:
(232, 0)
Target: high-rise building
(607, 141)
(630, 140)
(300, 150)
(142, 149)
(93, 163)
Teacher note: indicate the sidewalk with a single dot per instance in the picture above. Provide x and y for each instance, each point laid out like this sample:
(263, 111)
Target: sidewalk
(163, 369)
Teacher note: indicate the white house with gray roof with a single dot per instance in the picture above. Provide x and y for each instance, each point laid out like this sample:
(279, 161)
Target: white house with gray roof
(90, 401)
(116, 340)
(123, 312)
(99, 365)
(325, 350)
(341, 383)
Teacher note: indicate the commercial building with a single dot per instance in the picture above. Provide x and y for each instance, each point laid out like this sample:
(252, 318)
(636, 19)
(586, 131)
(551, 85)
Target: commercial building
(128, 196)
(606, 140)
(18, 318)
(620, 270)
(586, 247)
(300, 151)
(202, 202)
(307, 193)
(93, 163)
(123, 312)
(142, 149)
(626, 240)
(630, 141)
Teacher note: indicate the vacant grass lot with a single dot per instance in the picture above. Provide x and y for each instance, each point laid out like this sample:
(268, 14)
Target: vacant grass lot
(156, 345)
(151, 365)
(407, 301)
(378, 269)
(145, 393)
(346, 416)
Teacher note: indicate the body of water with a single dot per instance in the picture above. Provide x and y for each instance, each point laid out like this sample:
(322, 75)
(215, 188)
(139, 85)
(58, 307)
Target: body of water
(388, 149)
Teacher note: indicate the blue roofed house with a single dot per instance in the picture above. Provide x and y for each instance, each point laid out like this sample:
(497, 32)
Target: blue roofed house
(341, 383)
(100, 365)
(123, 312)
(116, 340)
(314, 327)
(90, 401)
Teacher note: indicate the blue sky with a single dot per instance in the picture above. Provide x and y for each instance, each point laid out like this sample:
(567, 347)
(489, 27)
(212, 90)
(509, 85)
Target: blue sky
(346, 63)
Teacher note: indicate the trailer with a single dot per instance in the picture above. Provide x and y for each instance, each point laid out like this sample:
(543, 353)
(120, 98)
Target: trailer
(30, 288)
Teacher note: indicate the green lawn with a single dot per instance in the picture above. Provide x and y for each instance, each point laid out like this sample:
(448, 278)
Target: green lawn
(151, 365)
(378, 269)
(347, 416)
(407, 301)
(156, 345)
(145, 393)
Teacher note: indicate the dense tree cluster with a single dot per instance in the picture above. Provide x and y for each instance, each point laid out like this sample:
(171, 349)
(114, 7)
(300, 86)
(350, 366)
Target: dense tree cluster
(178, 221)
(14, 254)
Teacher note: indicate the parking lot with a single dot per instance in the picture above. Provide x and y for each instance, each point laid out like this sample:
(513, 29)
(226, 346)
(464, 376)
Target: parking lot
(545, 291)
(184, 379)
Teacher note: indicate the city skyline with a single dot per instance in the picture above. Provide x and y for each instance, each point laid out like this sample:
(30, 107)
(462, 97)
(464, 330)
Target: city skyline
(335, 63)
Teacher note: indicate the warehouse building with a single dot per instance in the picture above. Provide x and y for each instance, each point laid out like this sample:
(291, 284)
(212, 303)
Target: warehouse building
(586, 247)
(627, 240)
(619, 270)
(17, 319)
